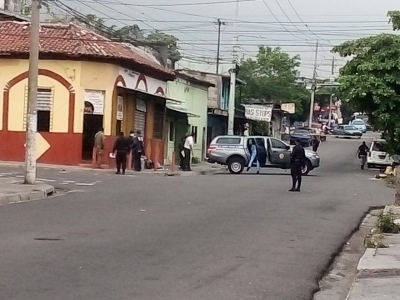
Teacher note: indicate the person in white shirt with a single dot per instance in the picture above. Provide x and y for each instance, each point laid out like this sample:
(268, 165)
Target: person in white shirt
(188, 149)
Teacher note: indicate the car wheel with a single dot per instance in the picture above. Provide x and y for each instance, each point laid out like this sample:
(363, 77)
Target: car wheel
(236, 165)
(306, 169)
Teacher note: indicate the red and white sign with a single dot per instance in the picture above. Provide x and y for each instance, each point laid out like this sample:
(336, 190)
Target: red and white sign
(138, 81)
(258, 112)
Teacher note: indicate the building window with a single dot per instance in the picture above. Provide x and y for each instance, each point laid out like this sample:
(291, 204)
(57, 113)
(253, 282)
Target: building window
(43, 121)
(44, 105)
(194, 133)
(158, 126)
(171, 131)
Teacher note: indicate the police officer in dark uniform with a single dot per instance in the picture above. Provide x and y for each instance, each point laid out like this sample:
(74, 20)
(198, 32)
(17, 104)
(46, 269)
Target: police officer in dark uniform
(297, 162)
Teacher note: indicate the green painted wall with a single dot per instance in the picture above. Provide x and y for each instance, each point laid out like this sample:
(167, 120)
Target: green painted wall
(194, 99)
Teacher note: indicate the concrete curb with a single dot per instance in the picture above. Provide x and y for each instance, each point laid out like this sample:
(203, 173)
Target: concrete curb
(378, 270)
(39, 191)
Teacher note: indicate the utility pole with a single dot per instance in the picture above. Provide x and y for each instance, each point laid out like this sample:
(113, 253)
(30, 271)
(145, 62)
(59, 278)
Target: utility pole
(331, 98)
(220, 23)
(232, 90)
(313, 87)
(31, 120)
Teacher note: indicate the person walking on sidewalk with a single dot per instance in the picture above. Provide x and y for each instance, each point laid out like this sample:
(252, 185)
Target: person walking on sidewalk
(137, 151)
(99, 140)
(362, 154)
(187, 150)
(297, 163)
(254, 155)
(121, 150)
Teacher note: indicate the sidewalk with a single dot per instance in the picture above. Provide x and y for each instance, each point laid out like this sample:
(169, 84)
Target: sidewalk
(202, 168)
(378, 271)
(14, 191)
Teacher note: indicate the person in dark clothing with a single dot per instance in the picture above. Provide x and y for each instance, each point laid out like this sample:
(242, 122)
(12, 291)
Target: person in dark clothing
(297, 162)
(121, 150)
(137, 151)
(315, 143)
(181, 152)
(362, 154)
(130, 141)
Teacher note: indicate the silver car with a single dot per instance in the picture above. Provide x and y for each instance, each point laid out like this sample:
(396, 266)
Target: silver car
(234, 152)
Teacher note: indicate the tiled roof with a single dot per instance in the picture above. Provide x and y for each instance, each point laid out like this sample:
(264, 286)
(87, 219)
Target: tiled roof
(70, 41)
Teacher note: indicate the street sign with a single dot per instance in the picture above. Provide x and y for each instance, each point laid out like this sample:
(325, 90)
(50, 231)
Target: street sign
(41, 145)
(258, 112)
(289, 107)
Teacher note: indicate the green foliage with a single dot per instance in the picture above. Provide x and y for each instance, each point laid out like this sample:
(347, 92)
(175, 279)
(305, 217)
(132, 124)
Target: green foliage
(173, 49)
(371, 82)
(386, 223)
(271, 77)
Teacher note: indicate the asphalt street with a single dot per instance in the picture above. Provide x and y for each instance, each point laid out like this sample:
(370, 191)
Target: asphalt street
(179, 238)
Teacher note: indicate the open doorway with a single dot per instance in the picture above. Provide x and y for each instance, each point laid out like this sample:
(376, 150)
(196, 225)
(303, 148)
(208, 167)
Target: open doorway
(91, 125)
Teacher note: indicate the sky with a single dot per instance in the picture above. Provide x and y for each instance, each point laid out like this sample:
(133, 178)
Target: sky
(293, 25)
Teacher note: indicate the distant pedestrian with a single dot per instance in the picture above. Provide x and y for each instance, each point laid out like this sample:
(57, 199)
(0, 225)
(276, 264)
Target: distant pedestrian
(121, 150)
(182, 152)
(362, 154)
(315, 143)
(187, 150)
(99, 140)
(254, 155)
(137, 151)
(297, 163)
(130, 142)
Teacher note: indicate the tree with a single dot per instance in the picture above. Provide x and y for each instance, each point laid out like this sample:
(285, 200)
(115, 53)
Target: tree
(170, 41)
(271, 77)
(370, 82)
(131, 32)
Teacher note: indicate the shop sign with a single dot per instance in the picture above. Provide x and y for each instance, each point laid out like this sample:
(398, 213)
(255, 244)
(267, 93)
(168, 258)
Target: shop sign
(289, 107)
(141, 105)
(120, 108)
(220, 112)
(94, 102)
(258, 112)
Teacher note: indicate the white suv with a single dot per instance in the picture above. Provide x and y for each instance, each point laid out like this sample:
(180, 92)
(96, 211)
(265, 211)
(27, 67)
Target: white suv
(377, 156)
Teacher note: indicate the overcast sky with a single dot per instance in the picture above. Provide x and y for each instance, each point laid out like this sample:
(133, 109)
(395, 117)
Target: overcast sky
(294, 25)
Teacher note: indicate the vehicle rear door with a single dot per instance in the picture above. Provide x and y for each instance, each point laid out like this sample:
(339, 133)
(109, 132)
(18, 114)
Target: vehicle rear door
(262, 150)
(280, 152)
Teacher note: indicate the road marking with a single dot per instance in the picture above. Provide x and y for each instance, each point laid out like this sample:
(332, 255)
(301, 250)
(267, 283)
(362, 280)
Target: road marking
(85, 184)
(45, 180)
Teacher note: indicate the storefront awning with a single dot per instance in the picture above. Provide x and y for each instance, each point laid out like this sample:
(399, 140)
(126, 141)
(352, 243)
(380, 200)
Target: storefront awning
(182, 110)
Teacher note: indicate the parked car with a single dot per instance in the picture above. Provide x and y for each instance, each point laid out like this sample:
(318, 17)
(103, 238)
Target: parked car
(303, 135)
(274, 153)
(377, 156)
(360, 125)
(347, 131)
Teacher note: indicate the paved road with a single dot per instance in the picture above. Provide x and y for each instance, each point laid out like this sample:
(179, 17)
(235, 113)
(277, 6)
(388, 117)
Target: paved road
(178, 238)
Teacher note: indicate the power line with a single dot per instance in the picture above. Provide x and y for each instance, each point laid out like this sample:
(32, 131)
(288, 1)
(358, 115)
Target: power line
(173, 4)
(275, 17)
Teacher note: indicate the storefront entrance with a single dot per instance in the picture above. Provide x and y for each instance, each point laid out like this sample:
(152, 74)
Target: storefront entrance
(91, 125)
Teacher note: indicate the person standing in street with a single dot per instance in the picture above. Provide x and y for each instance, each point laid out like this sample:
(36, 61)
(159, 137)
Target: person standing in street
(187, 150)
(121, 150)
(362, 154)
(315, 143)
(182, 152)
(99, 140)
(130, 142)
(254, 156)
(297, 162)
(137, 151)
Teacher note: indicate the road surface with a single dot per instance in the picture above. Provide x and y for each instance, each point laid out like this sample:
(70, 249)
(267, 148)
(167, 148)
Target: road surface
(178, 238)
